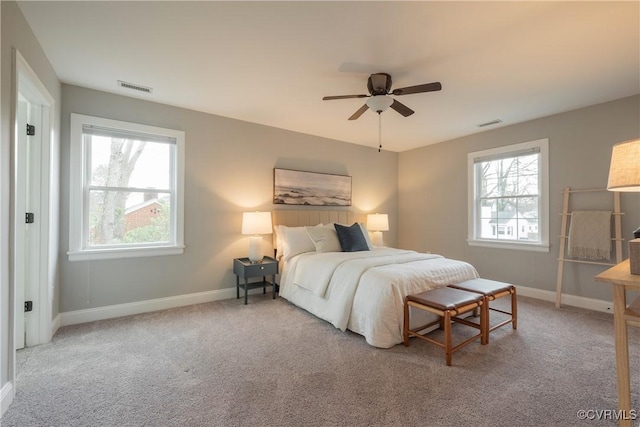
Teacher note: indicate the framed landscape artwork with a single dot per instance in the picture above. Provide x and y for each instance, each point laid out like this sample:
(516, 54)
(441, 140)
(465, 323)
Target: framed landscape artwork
(291, 187)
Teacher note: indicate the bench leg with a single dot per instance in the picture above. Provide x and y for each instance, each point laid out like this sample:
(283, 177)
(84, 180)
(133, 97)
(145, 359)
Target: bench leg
(447, 336)
(484, 321)
(514, 309)
(405, 327)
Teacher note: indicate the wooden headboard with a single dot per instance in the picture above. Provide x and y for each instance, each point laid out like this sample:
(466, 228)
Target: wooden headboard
(300, 218)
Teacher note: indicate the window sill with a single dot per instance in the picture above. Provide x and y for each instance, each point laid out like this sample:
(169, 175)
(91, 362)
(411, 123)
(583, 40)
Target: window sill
(534, 247)
(123, 253)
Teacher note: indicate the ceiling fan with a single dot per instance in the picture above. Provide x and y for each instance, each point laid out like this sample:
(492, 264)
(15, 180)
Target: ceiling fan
(379, 85)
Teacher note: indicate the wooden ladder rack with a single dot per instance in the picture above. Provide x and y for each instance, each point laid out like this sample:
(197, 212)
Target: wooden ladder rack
(617, 214)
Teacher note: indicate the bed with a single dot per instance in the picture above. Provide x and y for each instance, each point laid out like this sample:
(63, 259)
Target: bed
(361, 290)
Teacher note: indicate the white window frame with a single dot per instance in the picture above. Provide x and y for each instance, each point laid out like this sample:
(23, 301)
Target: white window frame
(473, 238)
(78, 177)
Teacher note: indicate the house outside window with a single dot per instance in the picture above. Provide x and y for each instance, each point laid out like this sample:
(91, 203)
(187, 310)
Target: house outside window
(126, 189)
(509, 196)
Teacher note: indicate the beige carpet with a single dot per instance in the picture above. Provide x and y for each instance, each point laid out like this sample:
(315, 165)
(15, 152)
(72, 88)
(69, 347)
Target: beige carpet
(272, 364)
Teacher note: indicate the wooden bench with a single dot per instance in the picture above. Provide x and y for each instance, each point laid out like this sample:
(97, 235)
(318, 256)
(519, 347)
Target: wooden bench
(448, 304)
(492, 290)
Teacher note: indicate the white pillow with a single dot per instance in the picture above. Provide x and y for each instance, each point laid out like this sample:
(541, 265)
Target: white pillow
(366, 235)
(296, 241)
(325, 238)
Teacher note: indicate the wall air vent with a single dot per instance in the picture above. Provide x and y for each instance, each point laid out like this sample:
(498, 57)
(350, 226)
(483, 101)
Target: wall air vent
(492, 122)
(134, 86)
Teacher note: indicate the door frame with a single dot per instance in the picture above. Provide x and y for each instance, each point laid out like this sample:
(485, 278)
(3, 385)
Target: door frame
(40, 327)
(20, 242)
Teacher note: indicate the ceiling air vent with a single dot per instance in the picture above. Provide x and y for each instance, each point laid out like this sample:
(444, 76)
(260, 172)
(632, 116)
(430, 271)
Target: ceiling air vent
(134, 86)
(492, 122)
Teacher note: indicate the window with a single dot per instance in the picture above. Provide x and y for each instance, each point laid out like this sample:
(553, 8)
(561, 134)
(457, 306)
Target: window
(126, 189)
(509, 197)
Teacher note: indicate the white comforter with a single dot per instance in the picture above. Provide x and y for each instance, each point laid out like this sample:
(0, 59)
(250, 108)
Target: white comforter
(364, 291)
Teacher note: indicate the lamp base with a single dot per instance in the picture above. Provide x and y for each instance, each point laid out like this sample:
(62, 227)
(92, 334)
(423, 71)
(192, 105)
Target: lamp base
(377, 238)
(255, 249)
(636, 233)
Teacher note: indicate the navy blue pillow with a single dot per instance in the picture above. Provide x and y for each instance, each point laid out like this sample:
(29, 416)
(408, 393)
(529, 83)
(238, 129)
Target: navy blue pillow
(351, 238)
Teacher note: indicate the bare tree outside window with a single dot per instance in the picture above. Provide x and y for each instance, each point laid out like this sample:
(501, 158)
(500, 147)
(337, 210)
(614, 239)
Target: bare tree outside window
(109, 219)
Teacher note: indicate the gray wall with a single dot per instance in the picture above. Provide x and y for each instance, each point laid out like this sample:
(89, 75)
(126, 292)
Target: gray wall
(229, 169)
(433, 193)
(16, 33)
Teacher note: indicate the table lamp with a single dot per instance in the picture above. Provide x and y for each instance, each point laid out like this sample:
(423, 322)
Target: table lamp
(378, 223)
(255, 224)
(624, 175)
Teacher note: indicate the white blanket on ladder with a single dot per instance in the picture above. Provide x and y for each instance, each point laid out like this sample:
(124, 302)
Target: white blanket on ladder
(590, 235)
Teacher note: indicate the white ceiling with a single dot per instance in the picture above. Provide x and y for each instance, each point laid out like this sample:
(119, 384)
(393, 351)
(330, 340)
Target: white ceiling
(272, 62)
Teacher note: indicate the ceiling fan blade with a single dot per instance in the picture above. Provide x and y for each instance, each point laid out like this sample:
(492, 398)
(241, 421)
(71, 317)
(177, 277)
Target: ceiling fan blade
(427, 87)
(359, 112)
(329, 98)
(402, 109)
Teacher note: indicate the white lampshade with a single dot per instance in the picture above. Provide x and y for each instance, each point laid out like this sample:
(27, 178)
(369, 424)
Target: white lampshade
(379, 103)
(624, 172)
(378, 222)
(256, 223)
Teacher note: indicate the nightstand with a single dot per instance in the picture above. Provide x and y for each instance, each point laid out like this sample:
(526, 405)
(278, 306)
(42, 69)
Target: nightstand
(243, 268)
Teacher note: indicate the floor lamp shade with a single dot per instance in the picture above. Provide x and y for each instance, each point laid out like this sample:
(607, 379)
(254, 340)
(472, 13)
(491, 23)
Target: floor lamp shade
(624, 172)
(255, 224)
(378, 223)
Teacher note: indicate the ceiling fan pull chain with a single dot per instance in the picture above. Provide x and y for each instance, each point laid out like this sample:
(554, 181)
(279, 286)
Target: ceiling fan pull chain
(379, 131)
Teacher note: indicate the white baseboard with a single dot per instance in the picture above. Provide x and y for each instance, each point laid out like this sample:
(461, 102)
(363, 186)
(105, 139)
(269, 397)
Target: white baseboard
(566, 299)
(113, 311)
(6, 397)
(55, 325)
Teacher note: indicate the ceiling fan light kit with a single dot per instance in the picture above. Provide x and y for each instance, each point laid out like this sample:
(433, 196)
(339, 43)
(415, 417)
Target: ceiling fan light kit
(379, 103)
